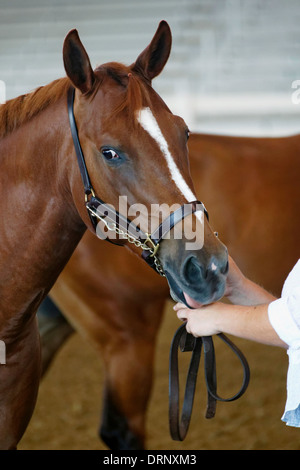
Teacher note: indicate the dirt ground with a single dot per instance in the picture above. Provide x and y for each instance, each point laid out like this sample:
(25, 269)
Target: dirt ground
(70, 401)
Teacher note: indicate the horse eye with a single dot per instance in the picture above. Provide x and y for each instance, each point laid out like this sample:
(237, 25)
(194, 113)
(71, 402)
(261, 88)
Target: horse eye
(110, 154)
(187, 133)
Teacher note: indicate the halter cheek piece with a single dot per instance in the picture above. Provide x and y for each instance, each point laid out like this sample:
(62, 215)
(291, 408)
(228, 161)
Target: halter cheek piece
(99, 210)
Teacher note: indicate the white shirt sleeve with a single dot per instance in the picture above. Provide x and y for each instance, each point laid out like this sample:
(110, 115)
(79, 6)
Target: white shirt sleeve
(284, 316)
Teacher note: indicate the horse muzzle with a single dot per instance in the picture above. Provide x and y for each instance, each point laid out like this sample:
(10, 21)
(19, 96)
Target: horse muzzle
(196, 277)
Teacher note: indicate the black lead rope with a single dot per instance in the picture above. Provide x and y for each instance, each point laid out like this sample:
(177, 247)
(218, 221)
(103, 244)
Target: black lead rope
(186, 342)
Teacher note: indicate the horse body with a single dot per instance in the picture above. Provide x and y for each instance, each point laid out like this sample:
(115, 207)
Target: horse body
(33, 198)
(251, 188)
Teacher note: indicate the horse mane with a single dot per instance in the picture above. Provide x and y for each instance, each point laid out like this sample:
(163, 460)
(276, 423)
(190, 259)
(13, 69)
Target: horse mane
(22, 109)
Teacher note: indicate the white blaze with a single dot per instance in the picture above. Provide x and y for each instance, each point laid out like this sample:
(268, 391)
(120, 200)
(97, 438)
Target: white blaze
(213, 267)
(149, 123)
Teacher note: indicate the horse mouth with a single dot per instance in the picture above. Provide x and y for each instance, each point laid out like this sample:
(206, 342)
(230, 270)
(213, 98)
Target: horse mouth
(176, 292)
(179, 294)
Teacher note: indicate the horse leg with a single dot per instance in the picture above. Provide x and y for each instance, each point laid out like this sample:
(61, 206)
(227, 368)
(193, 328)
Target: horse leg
(54, 331)
(129, 360)
(19, 380)
(122, 328)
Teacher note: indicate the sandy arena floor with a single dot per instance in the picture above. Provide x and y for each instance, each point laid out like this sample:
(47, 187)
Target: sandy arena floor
(70, 401)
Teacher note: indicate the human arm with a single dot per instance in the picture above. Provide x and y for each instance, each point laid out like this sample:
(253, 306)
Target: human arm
(247, 319)
(244, 321)
(266, 323)
(241, 290)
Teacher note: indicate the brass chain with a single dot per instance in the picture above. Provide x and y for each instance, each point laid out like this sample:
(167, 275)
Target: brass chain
(138, 243)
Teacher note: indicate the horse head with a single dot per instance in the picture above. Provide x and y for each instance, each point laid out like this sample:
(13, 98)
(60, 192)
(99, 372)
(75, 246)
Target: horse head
(135, 148)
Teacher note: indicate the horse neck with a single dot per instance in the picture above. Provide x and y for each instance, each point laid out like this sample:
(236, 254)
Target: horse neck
(40, 226)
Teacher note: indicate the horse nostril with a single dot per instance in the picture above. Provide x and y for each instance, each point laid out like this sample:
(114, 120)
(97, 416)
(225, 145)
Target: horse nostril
(193, 272)
(224, 270)
(218, 266)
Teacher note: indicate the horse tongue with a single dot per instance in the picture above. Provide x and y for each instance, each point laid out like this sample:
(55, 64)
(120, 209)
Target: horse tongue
(191, 302)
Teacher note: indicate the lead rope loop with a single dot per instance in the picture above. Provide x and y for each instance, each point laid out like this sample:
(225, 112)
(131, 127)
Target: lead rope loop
(186, 342)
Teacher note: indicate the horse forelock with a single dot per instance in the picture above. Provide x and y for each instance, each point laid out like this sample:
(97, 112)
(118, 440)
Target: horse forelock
(17, 111)
(135, 96)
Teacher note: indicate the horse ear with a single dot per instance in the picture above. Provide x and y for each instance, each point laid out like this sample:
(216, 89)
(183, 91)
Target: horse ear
(153, 59)
(77, 63)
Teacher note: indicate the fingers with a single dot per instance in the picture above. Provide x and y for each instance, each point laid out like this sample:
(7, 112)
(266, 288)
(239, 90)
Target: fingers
(182, 315)
(182, 311)
(199, 322)
(179, 306)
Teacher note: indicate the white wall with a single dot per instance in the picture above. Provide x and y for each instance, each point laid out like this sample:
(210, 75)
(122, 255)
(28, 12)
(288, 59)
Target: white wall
(231, 68)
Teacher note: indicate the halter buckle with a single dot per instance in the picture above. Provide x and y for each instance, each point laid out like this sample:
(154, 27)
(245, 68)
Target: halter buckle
(89, 192)
(154, 246)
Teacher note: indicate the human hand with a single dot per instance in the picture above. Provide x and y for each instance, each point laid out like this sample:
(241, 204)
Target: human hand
(201, 321)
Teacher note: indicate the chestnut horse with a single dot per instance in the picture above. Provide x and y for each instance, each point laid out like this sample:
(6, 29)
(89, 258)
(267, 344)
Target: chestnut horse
(251, 187)
(134, 147)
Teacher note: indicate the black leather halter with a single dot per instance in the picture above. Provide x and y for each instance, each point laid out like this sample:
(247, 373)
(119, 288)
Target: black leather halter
(99, 210)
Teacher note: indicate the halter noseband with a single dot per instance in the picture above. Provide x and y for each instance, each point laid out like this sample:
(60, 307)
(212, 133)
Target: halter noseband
(114, 221)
